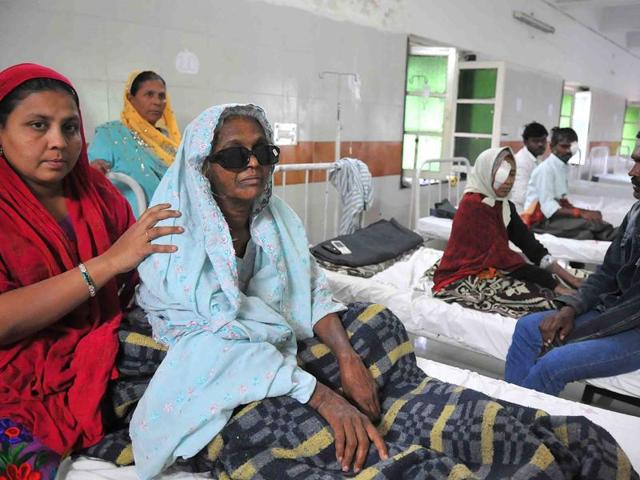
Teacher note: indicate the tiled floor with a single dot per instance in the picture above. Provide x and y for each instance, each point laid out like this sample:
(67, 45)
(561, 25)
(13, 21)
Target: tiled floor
(494, 368)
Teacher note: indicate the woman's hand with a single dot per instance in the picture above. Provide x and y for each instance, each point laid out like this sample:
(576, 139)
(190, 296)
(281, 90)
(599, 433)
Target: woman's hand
(135, 244)
(566, 276)
(557, 324)
(352, 430)
(358, 385)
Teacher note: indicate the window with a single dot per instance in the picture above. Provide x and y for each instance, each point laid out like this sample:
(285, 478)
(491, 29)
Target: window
(426, 105)
(630, 129)
(566, 109)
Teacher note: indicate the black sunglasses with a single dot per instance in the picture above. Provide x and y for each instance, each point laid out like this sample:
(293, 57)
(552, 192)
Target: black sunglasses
(237, 158)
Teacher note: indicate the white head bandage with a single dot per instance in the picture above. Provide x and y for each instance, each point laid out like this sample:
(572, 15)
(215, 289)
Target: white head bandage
(574, 148)
(501, 175)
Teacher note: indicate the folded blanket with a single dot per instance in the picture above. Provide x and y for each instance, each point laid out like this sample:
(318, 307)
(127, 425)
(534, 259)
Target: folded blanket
(380, 241)
(444, 209)
(365, 271)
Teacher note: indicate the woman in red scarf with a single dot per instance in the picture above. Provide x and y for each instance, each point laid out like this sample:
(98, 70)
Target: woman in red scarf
(68, 247)
(478, 268)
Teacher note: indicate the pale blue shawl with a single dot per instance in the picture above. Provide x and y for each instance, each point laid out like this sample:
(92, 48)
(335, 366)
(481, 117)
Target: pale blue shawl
(226, 347)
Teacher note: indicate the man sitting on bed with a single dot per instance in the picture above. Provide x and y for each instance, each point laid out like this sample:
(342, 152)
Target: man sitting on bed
(596, 332)
(534, 138)
(547, 209)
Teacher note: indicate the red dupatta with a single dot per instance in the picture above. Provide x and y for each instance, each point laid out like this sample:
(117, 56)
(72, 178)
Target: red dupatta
(54, 381)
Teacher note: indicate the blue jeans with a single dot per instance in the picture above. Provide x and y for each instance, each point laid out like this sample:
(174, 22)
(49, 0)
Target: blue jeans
(602, 357)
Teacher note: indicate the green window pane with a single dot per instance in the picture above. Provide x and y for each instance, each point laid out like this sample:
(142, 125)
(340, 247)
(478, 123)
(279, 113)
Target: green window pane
(474, 118)
(627, 147)
(424, 114)
(632, 115)
(428, 71)
(477, 83)
(567, 105)
(429, 147)
(470, 148)
(630, 130)
(565, 122)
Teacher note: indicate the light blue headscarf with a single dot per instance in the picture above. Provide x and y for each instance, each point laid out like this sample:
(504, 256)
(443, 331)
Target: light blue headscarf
(226, 347)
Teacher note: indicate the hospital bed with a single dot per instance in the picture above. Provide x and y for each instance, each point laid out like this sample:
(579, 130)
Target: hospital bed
(603, 184)
(404, 289)
(448, 184)
(604, 168)
(624, 428)
(613, 200)
(422, 315)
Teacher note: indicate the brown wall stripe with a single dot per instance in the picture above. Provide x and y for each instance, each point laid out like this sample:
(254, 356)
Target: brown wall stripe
(382, 158)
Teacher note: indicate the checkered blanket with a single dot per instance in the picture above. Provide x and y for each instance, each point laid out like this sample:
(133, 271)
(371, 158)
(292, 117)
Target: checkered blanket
(433, 429)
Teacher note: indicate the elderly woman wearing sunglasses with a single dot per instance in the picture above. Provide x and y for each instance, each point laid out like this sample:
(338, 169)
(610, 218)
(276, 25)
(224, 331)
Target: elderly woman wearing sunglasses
(249, 321)
(233, 303)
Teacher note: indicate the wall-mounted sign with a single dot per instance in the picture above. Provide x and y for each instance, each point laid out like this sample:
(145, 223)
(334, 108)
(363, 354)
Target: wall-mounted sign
(285, 133)
(187, 62)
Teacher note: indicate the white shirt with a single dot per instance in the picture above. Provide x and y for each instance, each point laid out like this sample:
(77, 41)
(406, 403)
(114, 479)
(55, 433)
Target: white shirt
(549, 183)
(525, 163)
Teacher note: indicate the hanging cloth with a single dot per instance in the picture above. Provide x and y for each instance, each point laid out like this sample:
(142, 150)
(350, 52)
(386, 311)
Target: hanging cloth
(354, 183)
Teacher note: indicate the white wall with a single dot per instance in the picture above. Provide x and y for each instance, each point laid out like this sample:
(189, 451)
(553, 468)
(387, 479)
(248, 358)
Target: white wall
(529, 96)
(486, 26)
(271, 54)
(248, 51)
(607, 116)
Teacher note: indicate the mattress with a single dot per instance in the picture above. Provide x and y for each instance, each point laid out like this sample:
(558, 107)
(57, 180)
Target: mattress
(622, 427)
(613, 200)
(403, 289)
(601, 190)
(614, 178)
(585, 251)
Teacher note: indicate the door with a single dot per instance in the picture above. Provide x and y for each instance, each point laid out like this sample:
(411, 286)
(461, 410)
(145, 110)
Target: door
(478, 108)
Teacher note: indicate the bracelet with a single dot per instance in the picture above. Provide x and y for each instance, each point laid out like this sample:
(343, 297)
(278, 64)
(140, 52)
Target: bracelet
(88, 280)
(576, 212)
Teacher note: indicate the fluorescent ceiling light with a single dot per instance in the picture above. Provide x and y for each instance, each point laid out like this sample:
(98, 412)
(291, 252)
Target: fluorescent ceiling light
(533, 22)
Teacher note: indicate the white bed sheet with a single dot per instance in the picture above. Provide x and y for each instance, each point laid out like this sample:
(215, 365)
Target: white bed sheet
(622, 427)
(613, 208)
(399, 288)
(613, 178)
(84, 468)
(599, 189)
(586, 251)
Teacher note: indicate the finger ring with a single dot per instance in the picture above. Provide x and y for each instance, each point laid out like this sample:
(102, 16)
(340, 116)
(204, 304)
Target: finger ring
(146, 234)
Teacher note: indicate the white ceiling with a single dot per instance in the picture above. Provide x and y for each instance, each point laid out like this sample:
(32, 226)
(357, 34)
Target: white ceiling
(617, 20)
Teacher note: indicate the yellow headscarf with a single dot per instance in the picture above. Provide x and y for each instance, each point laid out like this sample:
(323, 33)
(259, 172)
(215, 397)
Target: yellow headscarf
(164, 147)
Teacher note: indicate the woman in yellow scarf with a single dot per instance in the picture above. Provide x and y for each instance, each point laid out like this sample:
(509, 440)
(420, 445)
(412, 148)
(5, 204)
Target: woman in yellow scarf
(143, 143)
